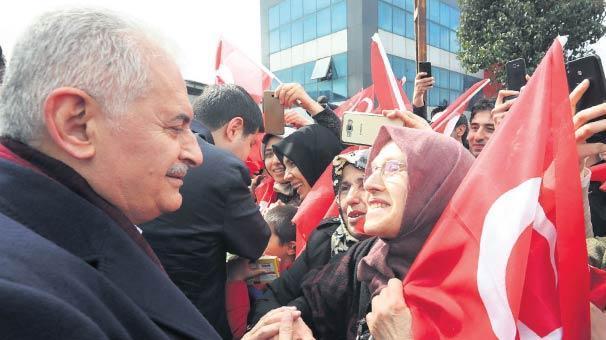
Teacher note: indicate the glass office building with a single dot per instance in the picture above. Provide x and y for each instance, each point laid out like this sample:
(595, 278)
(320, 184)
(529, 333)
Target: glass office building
(300, 37)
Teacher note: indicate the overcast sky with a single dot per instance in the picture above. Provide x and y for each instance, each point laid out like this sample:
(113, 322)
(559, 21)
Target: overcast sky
(193, 26)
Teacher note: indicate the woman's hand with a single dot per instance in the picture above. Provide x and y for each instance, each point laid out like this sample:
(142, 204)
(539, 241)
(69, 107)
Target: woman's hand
(390, 318)
(408, 118)
(282, 323)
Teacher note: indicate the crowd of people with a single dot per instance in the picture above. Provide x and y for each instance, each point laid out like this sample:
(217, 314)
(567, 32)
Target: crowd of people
(128, 213)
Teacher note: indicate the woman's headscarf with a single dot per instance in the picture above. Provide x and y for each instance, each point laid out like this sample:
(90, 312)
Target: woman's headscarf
(436, 165)
(311, 148)
(341, 239)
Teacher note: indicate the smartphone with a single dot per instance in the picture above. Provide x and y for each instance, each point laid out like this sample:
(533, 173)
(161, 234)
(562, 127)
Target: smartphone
(273, 114)
(589, 67)
(425, 66)
(516, 74)
(361, 128)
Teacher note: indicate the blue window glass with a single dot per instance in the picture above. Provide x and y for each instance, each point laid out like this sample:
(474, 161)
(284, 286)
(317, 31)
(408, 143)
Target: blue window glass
(410, 26)
(339, 89)
(433, 97)
(297, 32)
(339, 63)
(409, 88)
(434, 10)
(385, 16)
(309, 68)
(298, 74)
(399, 21)
(397, 65)
(309, 28)
(323, 21)
(456, 81)
(322, 3)
(444, 98)
(324, 89)
(455, 14)
(453, 96)
(339, 16)
(410, 71)
(274, 82)
(444, 14)
(274, 41)
(284, 12)
(312, 89)
(296, 9)
(399, 3)
(454, 42)
(284, 75)
(410, 5)
(434, 34)
(309, 6)
(444, 37)
(285, 37)
(388, 1)
(274, 17)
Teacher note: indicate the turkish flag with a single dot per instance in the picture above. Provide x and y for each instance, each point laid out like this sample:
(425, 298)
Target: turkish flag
(389, 94)
(313, 208)
(233, 66)
(447, 121)
(363, 101)
(508, 259)
(254, 160)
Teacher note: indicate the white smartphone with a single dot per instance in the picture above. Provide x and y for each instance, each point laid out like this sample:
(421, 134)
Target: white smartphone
(361, 128)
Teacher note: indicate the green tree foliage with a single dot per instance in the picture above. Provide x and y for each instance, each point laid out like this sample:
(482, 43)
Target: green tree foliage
(493, 32)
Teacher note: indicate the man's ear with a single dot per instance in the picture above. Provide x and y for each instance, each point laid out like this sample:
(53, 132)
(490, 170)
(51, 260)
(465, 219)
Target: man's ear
(234, 128)
(291, 248)
(68, 114)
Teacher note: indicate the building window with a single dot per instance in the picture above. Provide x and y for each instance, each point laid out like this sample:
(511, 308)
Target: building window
(323, 21)
(274, 17)
(297, 32)
(385, 16)
(339, 62)
(321, 3)
(399, 22)
(284, 12)
(339, 16)
(285, 37)
(309, 28)
(309, 6)
(274, 41)
(296, 9)
(293, 22)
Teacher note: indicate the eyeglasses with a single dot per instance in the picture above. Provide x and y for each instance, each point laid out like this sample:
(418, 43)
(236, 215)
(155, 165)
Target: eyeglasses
(388, 169)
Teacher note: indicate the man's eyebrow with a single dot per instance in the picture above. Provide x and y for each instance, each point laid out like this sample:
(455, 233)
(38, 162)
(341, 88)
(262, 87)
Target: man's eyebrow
(181, 117)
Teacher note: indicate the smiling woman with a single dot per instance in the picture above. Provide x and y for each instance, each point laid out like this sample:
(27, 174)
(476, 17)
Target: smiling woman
(410, 180)
(305, 155)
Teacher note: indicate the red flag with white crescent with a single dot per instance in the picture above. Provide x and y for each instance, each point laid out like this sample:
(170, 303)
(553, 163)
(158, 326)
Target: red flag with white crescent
(363, 101)
(232, 66)
(507, 259)
(449, 117)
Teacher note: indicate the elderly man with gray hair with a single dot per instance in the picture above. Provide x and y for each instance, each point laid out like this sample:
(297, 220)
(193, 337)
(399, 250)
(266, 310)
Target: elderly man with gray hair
(95, 139)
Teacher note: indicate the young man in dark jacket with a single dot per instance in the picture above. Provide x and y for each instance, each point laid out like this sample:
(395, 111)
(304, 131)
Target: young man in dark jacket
(218, 214)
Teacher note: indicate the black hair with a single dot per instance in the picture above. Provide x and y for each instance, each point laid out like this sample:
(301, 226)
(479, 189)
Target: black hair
(280, 222)
(481, 105)
(463, 121)
(438, 109)
(218, 104)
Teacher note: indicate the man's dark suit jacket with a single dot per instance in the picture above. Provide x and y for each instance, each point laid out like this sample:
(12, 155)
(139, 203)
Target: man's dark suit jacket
(67, 271)
(218, 215)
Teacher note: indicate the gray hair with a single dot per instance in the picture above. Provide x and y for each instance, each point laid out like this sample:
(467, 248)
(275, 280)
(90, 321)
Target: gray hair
(93, 50)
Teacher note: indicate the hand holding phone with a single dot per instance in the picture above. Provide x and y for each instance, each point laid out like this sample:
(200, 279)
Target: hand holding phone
(361, 128)
(516, 74)
(425, 66)
(273, 114)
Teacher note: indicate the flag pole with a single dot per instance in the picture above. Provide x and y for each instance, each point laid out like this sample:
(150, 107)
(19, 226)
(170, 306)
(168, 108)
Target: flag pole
(420, 16)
